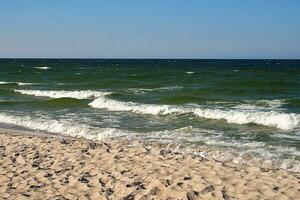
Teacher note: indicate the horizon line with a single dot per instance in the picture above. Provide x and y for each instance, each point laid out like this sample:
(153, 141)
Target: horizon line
(147, 58)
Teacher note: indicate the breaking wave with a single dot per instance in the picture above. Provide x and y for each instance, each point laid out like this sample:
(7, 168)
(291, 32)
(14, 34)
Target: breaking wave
(18, 83)
(44, 68)
(145, 90)
(189, 72)
(84, 94)
(62, 127)
(284, 121)
(272, 118)
(79, 130)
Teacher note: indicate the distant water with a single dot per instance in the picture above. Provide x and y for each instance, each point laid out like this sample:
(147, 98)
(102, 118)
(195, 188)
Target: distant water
(236, 109)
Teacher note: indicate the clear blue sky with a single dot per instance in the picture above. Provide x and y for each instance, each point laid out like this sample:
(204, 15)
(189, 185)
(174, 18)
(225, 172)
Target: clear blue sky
(150, 28)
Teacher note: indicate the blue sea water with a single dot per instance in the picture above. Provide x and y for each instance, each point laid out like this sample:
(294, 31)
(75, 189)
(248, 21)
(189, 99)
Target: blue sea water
(227, 108)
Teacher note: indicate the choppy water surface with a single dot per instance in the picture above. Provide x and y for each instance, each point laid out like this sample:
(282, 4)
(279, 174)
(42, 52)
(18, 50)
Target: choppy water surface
(231, 107)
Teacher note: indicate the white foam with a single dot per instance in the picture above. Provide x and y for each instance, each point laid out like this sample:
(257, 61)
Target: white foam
(189, 72)
(21, 84)
(261, 105)
(284, 121)
(62, 127)
(69, 128)
(144, 90)
(44, 68)
(279, 120)
(83, 94)
(235, 144)
(4, 83)
(18, 83)
(248, 107)
(276, 103)
(115, 105)
(287, 136)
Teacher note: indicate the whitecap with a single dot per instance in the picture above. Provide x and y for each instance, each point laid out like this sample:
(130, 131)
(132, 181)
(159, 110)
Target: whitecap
(144, 90)
(43, 68)
(18, 83)
(62, 127)
(79, 94)
(276, 103)
(284, 121)
(279, 120)
(4, 83)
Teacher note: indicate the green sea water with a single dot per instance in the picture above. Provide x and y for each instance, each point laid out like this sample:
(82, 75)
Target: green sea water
(230, 107)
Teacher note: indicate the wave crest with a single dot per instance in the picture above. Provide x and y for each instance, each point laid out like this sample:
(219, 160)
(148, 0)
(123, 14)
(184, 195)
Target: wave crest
(43, 68)
(272, 118)
(284, 121)
(18, 83)
(84, 94)
(62, 127)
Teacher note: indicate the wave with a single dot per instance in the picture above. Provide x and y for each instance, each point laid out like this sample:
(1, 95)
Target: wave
(115, 105)
(21, 84)
(276, 103)
(83, 94)
(44, 68)
(65, 102)
(4, 83)
(144, 90)
(18, 83)
(62, 127)
(237, 152)
(79, 130)
(284, 121)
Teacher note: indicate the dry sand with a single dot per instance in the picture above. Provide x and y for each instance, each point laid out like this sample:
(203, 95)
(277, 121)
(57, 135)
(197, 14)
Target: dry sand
(43, 167)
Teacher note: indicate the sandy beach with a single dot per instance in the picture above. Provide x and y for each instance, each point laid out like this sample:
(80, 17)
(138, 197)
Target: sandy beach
(50, 167)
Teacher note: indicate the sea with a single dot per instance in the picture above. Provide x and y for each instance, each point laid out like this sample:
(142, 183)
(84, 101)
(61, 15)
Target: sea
(234, 111)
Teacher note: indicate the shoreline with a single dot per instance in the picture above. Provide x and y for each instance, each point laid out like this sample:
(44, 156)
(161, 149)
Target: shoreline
(232, 159)
(39, 165)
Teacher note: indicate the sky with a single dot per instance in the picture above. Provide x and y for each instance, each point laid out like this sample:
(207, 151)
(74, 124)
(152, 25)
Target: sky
(150, 29)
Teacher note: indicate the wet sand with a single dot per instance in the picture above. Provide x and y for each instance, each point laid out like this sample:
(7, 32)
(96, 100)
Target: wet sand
(41, 166)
